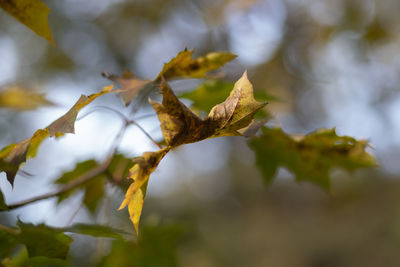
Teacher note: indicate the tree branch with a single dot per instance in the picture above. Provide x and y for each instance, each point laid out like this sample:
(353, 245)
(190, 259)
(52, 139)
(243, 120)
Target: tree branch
(80, 180)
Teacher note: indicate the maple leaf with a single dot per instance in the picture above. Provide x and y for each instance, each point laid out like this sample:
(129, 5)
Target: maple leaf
(237, 111)
(16, 154)
(213, 92)
(140, 174)
(131, 85)
(310, 157)
(180, 125)
(32, 13)
(184, 66)
(41, 240)
(181, 66)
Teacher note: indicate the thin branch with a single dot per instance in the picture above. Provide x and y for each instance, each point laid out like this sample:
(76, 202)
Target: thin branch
(105, 108)
(67, 187)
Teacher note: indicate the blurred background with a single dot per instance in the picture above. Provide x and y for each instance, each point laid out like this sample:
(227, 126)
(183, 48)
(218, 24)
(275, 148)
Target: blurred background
(329, 63)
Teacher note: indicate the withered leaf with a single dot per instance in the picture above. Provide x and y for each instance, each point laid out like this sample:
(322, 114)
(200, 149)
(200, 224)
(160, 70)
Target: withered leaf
(238, 110)
(32, 13)
(66, 123)
(130, 84)
(14, 155)
(181, 66)
(310, 157)
(140, 174)
(180, 125)
(184, 66)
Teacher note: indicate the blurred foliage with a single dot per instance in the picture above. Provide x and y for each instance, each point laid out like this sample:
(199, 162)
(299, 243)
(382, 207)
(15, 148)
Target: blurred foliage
(19, 98)
(310, 157)
(332, 63)
(32, 13)
(155, 247)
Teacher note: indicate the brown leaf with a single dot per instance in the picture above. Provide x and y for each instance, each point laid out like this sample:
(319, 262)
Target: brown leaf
(180, 126)
(130, 84)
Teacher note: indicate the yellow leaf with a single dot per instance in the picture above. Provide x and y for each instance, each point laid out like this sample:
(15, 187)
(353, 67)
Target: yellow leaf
(15, 155)
(19, 98)
(238, 110)
(184, 66)
(32, 13)
(140, 174)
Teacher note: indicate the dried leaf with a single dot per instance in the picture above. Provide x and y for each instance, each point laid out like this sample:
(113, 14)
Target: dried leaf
(238, 110)
(32, 13)
(16, 154)
(130, 84)
(180, 125)
(183, 66)
(65, 124)
(310, 157)
(140, 174)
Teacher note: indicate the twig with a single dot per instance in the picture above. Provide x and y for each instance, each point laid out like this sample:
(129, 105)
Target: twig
(80, 180)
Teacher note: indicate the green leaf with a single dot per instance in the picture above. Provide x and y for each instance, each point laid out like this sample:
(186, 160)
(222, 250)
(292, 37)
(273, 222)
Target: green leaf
(95, 230)
(14, 155)
(183, 66)
(41, 240)
(94, 188)
(8, 242)
(156, 246)
(310, 157)
(3, 205)
(32, 13)
(21, 259)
